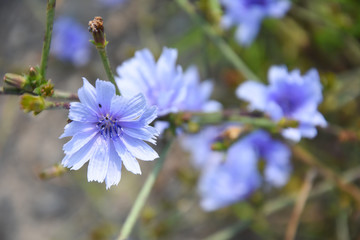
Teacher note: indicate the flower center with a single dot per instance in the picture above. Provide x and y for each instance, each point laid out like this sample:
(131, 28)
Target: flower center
(109, 127)
(250, 3)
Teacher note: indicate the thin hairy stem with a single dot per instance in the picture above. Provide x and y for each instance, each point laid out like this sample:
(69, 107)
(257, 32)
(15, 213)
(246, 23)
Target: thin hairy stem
(50, 13)
(143, 195)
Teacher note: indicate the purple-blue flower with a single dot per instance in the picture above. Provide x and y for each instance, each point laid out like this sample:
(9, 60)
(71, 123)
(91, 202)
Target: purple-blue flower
(235, 176)
(112, 3)
(164, 84)
(70, 41)
(289, 96)
(108, 130)
(247, 15)
(231, 180)
(199, 146)
(276, 156)
(161, 82)
(198, 93)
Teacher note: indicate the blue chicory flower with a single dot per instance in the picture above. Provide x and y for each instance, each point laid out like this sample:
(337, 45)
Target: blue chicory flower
(275, 154)
(161, 82)
(70, 41)
(290, 96)
(108, 130)
(235, 176)
(199, 146)
(198, 93)
(247, 15)
(164, 84)
(230, 180)
(112, 3)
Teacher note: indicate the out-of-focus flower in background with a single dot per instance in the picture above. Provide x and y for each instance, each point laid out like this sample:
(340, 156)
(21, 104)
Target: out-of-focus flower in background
(164, 84)
(108, 130)
(161, 82)
(70, 41)
(199, 146)
(275, 154)
(232, 177)
(198, 93)
(112, 3)
(289, 96)
(247, 16)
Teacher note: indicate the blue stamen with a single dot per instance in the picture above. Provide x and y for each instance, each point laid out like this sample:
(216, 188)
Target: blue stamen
(108, 127)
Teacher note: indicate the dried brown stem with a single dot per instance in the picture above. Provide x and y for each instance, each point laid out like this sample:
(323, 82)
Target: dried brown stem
(300, 204)
(328, 173)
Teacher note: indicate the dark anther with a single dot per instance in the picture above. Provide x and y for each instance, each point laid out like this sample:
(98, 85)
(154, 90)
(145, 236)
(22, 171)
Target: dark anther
(100, 105)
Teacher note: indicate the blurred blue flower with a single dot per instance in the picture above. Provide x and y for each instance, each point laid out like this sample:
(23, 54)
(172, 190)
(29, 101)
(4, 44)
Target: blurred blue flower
(106, 130)
(275, 154)
(247, 15)
(164, 84)
(198, 93)
(235, 176)
(70, 41)
(161, 82)
(290, 96)
(231, 180)
(199, 146)
(112, 3)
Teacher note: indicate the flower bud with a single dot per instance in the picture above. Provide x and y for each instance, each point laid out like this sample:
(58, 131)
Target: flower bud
(13, 82)
(33, 72)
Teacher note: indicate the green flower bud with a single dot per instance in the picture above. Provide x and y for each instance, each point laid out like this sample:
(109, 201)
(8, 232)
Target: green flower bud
(13, 83)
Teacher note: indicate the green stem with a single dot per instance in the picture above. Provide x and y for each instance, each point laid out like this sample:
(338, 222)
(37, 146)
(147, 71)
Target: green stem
(56, 105)
(65, 95)
(230, 231)
(50, 12)
(106, 63)
(143, 195)
(3, 92)
(235, 116)
(225, 49)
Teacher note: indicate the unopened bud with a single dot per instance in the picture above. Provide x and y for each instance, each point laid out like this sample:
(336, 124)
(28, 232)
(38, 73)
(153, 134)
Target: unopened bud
(14, 83)
(14, 80)
(32, 72)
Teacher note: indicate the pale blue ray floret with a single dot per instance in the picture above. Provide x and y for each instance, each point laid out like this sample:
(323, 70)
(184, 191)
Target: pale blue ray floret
(108, 130)
(247, 15)
(289, 95)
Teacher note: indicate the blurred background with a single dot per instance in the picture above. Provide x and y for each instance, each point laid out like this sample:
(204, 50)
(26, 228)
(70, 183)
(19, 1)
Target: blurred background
(324, 34)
